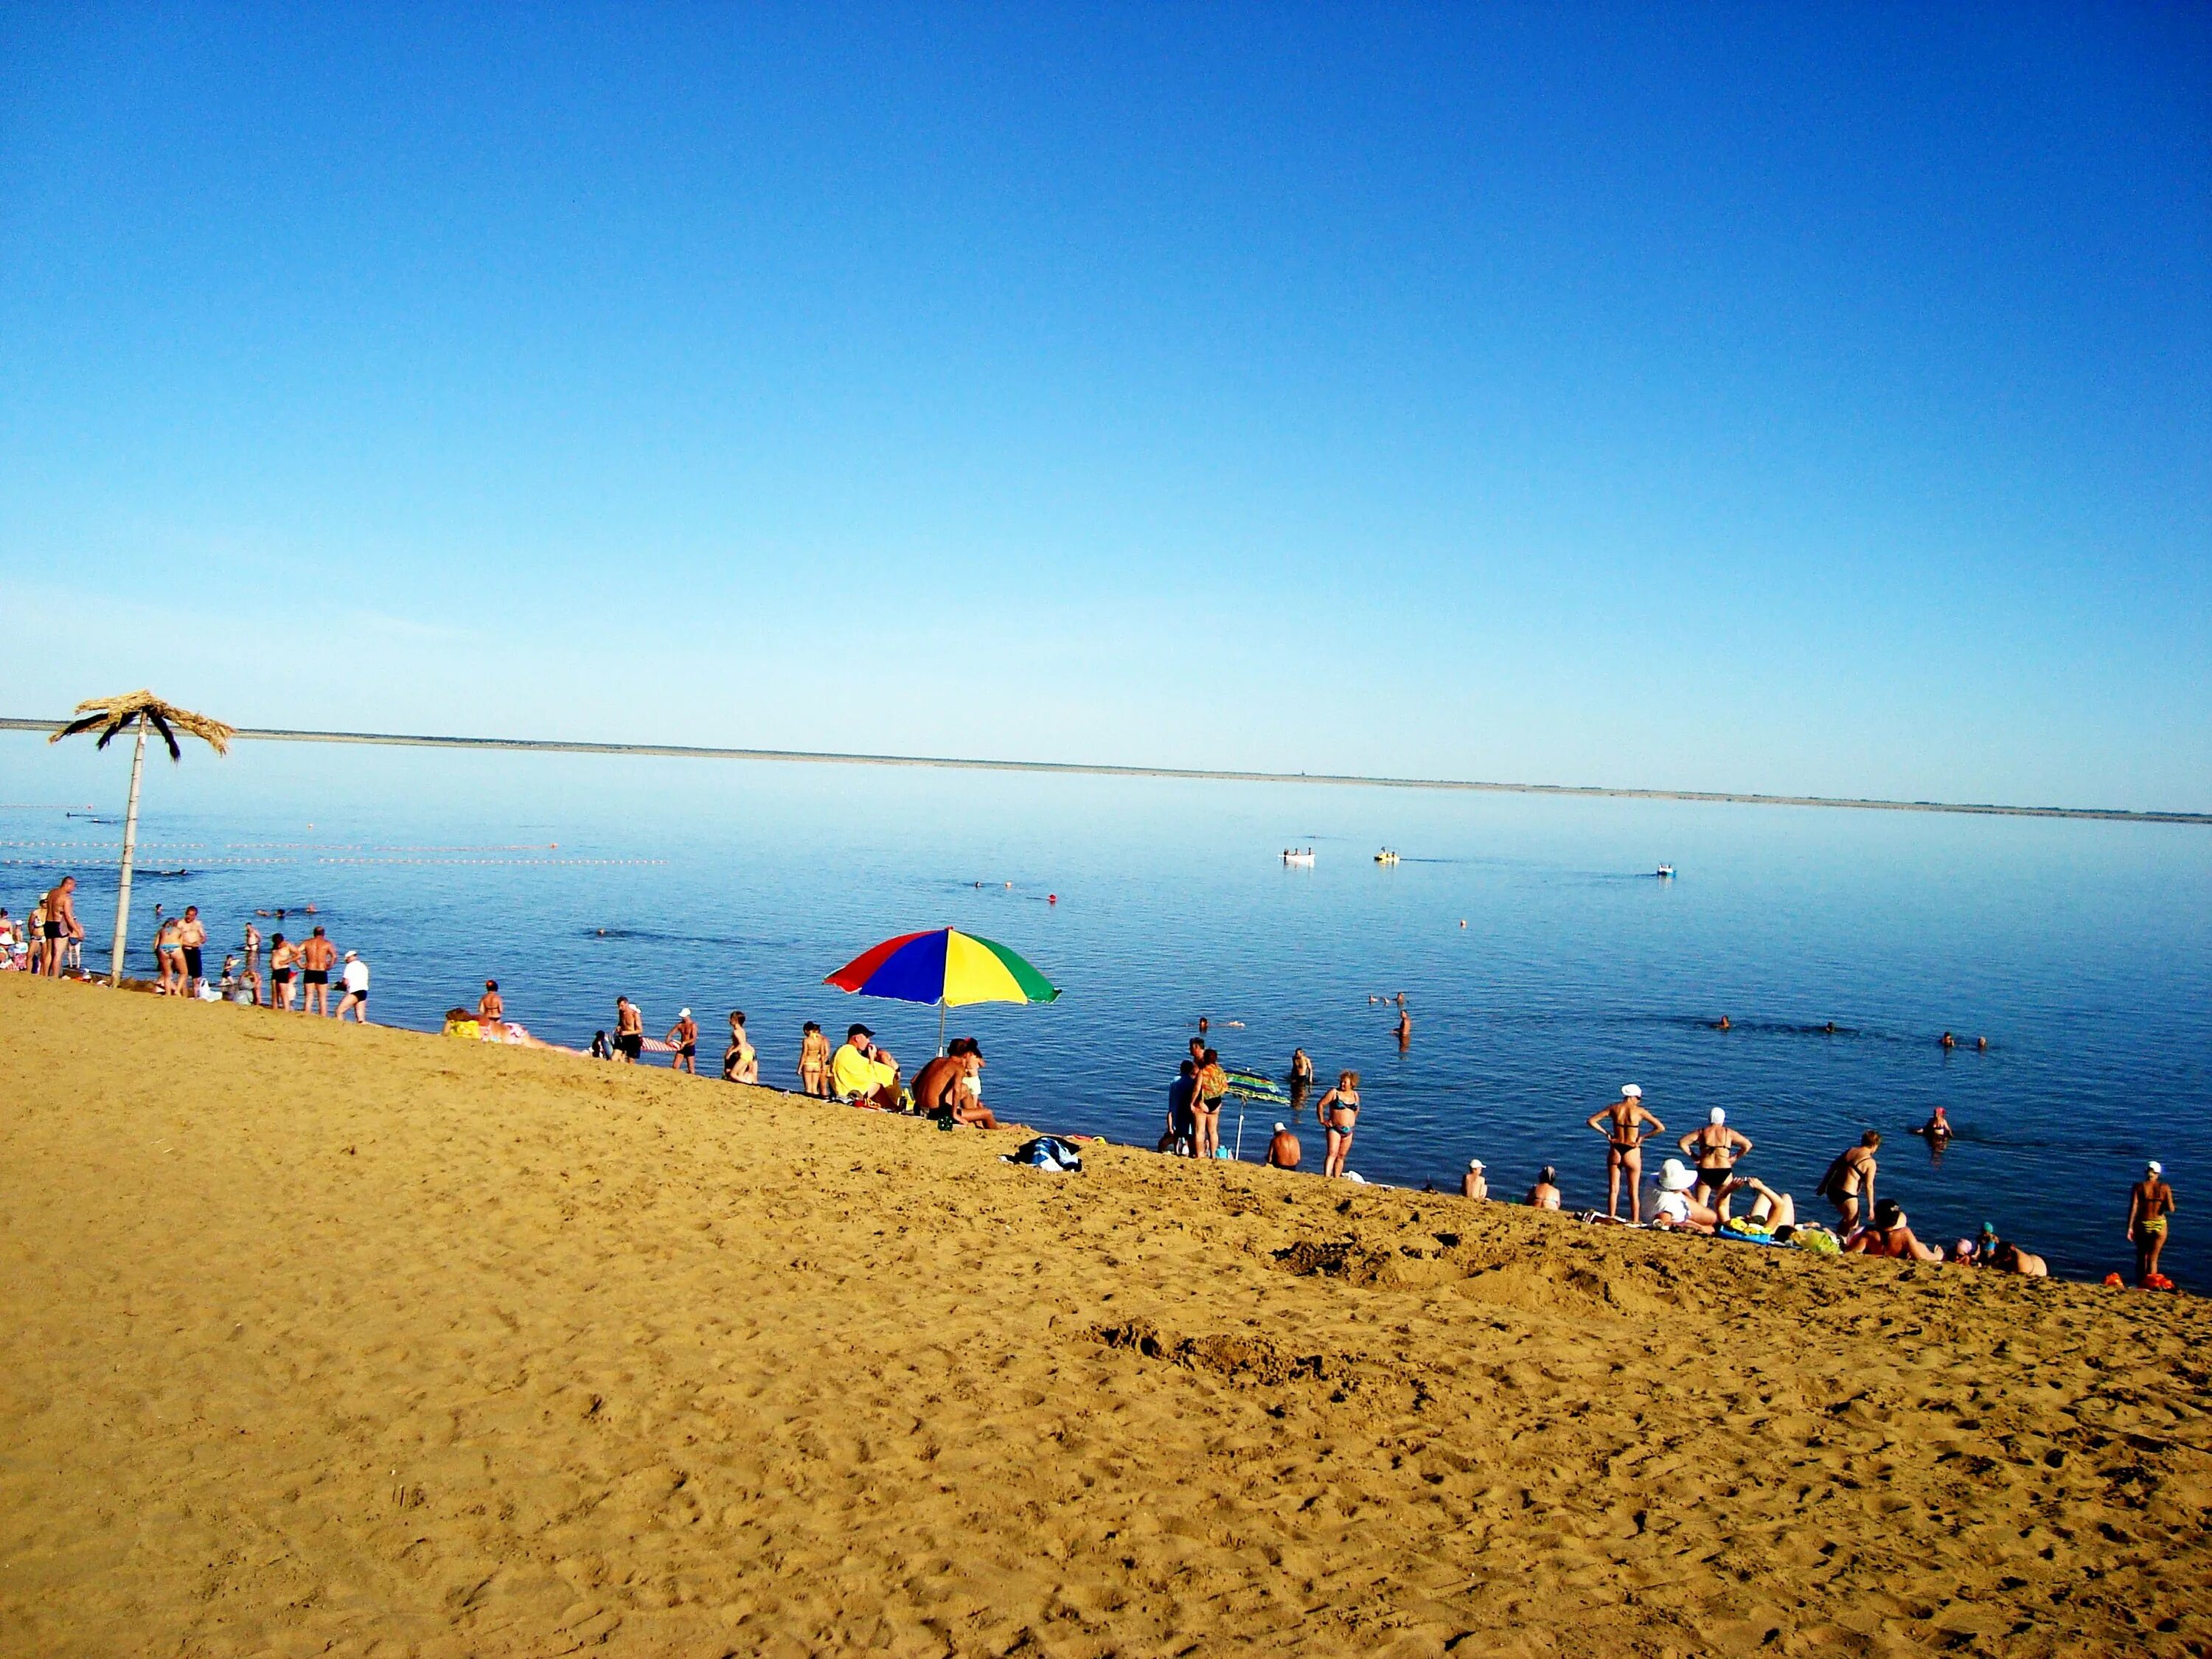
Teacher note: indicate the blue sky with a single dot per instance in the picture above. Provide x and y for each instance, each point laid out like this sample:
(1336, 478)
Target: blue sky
(1780, 398)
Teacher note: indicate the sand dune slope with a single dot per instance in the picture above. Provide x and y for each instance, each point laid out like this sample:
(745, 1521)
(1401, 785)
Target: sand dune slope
(350, 1341)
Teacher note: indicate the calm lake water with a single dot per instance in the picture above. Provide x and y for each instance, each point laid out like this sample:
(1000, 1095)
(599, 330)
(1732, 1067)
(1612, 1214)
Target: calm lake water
(2078, 949)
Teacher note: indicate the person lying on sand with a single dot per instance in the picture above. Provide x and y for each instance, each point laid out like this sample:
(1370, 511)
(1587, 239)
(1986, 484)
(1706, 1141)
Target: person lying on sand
(1544, 1194)
(1472, 1184)
(2009, 1258)
(1283, 1149)
(1772, 1215)
(1890, 1235)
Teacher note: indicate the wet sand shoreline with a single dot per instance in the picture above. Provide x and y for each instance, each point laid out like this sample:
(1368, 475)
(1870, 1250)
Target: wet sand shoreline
(354, 1342)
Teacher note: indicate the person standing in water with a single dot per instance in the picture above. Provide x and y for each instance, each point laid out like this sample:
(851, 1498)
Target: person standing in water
(317, 958)
(1625, 1126)
(1404, 1023)
(683, 1037)
(283, 962)
(2148, 1205)
(1302, 1079)
(1339, 1111)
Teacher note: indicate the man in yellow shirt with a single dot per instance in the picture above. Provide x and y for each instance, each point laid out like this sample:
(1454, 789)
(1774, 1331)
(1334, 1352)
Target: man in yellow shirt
(862, 1072)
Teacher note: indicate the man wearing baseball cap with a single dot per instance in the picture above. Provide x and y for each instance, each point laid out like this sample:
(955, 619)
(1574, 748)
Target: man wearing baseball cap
(2148, 1207)
(1283, 1149)
(863, 1073)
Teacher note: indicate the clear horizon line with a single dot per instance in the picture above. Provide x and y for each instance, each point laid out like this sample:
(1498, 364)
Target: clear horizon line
(825, 757)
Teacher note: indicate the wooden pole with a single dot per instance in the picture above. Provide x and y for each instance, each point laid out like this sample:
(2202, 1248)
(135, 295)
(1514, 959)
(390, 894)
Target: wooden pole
(130, 852)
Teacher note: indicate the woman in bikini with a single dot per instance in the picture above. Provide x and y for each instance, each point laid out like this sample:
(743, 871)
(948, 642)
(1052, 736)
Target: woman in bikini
(741, 1064)
(1339, 1111)
(1849, 1180)
(814, 1062)
(169, 957)
(1716, 1147)
(1625, 1125)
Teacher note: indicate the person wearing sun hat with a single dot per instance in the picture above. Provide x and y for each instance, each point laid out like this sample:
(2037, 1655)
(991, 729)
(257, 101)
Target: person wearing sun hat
(1283, 1149)
(1676, 1207)
(1472, 1184)
(2148, 1207)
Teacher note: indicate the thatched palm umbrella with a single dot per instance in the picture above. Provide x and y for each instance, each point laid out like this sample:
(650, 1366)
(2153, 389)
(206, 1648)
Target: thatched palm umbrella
(108, 715)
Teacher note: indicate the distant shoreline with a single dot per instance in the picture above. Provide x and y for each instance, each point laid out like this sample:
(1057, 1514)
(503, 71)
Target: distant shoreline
(684, 752)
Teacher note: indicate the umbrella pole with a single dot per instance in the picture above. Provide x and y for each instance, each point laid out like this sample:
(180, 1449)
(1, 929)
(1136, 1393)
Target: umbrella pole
(1240, 1131)
(940, 1028)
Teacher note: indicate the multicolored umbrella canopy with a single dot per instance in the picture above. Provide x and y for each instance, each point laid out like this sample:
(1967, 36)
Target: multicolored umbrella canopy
(946, 967)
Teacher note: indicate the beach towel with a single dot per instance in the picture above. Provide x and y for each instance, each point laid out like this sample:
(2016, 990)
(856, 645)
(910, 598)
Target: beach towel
(1048, 1152)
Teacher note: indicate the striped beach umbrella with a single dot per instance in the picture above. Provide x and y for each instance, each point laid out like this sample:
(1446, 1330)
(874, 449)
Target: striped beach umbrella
(946, 967)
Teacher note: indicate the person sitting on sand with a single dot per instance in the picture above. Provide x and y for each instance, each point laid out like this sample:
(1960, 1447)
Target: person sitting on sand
(1339, 1111)
(2150, 1201)
(1937, 1129)
(1965, 1253)
(1283, 1149)
(934, 1085)
(1625, 1126)
(1890, 1235)
(1678, 1206)
(1849, 1183)
(863, 1073)
(814, 1062)
(1716, 1148)
(1472, 1184)
(741, 1061)
(1544, 1194)
(601, 1048)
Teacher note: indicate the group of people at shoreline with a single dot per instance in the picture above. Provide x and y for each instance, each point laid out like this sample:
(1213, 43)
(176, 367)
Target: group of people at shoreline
(1696, 1191)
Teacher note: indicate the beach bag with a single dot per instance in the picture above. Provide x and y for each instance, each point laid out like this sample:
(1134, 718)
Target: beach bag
(1049, 1153)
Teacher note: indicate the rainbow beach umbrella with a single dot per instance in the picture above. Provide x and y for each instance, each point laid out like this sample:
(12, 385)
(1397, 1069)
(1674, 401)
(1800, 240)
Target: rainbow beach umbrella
(946, 967)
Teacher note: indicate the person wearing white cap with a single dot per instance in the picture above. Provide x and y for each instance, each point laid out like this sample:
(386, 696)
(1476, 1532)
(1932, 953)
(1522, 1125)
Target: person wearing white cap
(1625, 1126)
(1472, 1184)
(683, 1037)
(355, 978)
(1283, 1149)
(2148, 1207)
(1716, 1147)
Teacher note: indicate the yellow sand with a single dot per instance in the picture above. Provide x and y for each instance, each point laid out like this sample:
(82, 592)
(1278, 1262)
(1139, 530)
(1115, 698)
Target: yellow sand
(332, 1340)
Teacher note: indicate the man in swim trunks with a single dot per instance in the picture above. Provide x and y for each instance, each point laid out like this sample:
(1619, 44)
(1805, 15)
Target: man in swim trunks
(191, 940)
(1716, 1147)
(1625, 1126)
(1890, 1235)
(60, 925)
(2148, 1205)
(317, 958)
(863, 1073)
(1849, 1183)
(1473, 1184)
(1283, 1149)
(683, 1037)
(629, 1031)
(1544, 1194)
(937, 1083)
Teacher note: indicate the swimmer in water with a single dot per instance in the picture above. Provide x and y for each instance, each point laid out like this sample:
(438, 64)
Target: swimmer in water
(1723, 1024)
(1947, 1041)
(1982, 1044)
(1937, 1128)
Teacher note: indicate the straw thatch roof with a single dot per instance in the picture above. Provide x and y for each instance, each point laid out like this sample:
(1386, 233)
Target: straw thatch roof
(110, 715)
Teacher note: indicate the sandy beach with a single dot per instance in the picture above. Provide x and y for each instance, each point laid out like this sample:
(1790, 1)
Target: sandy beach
(358, 1342)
